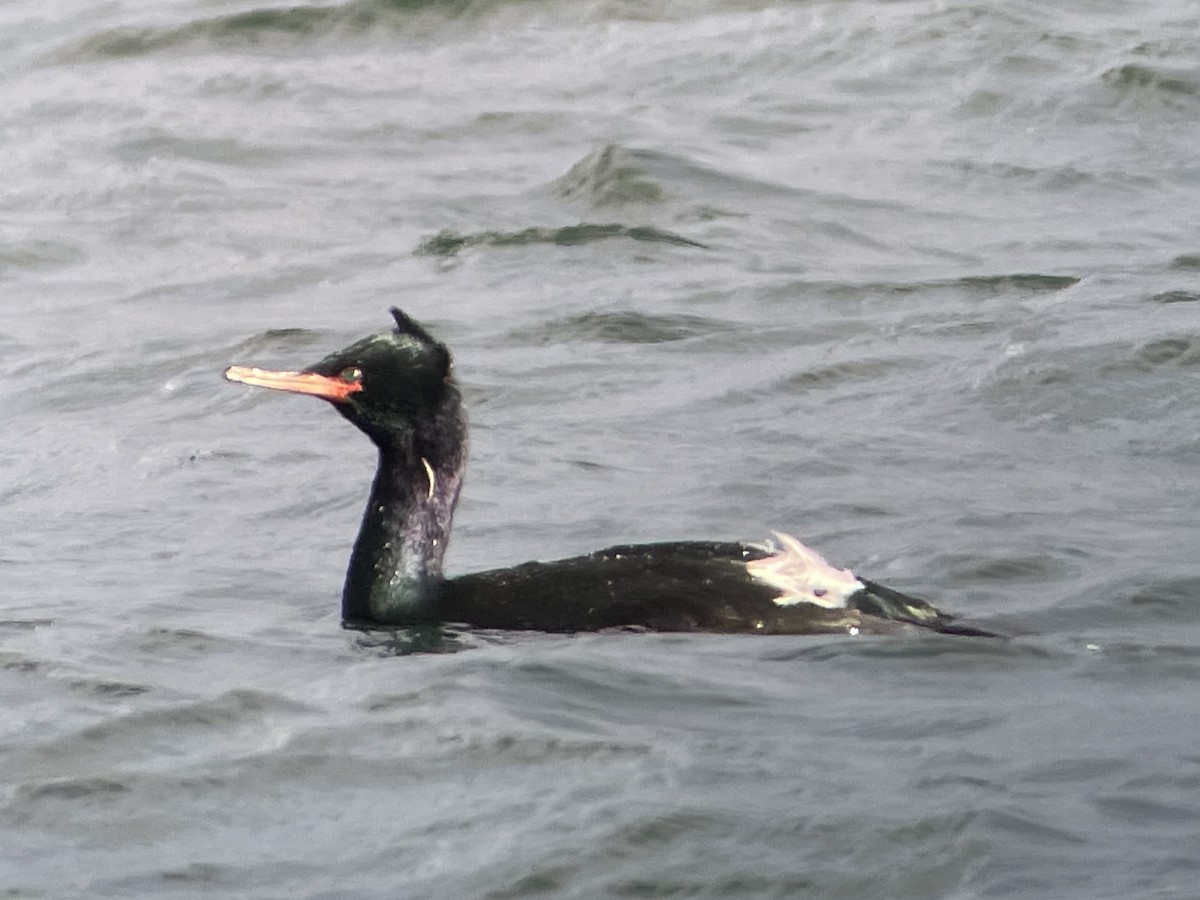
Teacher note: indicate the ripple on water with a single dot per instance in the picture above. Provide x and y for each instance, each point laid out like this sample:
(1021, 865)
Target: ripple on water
(449, 243)
(620, 327)
(261, 30)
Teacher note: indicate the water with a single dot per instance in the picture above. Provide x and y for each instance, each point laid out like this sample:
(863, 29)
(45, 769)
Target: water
(916, 281)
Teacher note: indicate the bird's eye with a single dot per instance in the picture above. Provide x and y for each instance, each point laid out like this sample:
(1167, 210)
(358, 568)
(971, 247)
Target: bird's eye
(352, 375)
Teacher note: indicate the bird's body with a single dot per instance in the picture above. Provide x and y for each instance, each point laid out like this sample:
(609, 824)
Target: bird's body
(398, 388)
(678, 586)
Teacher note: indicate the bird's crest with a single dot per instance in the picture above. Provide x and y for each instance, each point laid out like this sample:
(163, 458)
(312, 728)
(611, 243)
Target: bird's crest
(405, 324)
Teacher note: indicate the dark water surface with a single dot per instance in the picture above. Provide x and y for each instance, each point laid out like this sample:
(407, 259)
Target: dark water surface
(915, 281)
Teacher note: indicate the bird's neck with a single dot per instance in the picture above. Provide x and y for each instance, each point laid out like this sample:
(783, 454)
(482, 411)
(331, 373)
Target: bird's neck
(396, 566)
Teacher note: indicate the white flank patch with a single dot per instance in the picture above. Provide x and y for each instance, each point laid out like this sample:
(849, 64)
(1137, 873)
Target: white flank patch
(801, 575)
(432, 477)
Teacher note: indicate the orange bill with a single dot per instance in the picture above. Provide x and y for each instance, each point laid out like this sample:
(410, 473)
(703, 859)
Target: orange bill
(295, 382)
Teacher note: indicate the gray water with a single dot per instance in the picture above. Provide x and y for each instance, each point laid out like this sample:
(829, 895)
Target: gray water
(916, 281)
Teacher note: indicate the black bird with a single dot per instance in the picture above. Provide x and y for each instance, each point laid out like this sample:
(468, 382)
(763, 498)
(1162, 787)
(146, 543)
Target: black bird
(398, 388)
